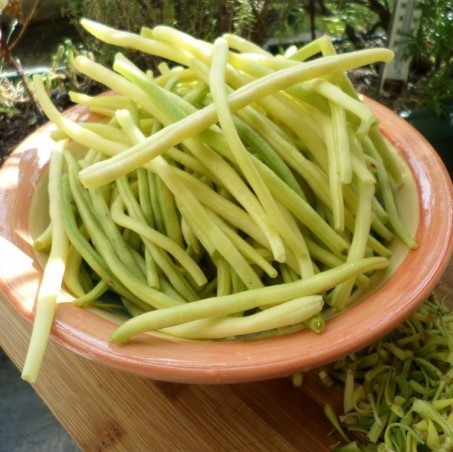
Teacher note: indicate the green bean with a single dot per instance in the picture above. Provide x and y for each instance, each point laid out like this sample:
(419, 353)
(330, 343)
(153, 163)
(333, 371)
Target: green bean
(386, 155)
(335, 184)
(275, 107)
(285, 314)
(189, 162)
(282, 144)
(193, 246)
(133, 41)
(222, 243)
(158, 254)
(316, 323)
(341, 142)
(169, 212)
(223, 277)
(136, 284)
(341, 293)
(262, 148)
(201, 120)
(340, 77)
(284, 111)
(155, 205)
(111, 102)
(132, 308)
(144, 196)
(193, 46)
(44, 240)
(223, 207)
(107, 131)
(307, 91)
(309, 50)
(93, 259)
(244, 45)
(161, 240)
(208, 157)
(256, 67)
(71, 128)
(220, 306)
(149, 217)
(72, 275)
(102, 212)
(388, 197)
(287, 275)
(49, 288)
(196, 95)
(223, 171)
(303, 211)
(334, 94)
(85, 300)
(244, 247)
(218, 239)
(306, 267)
(241, 155)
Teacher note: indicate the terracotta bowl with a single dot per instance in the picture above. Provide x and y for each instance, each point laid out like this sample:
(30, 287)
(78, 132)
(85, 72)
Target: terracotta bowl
(427, 203)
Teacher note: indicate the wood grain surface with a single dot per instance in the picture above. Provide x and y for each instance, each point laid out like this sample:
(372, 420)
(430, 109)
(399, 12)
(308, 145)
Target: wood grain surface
(107, 410)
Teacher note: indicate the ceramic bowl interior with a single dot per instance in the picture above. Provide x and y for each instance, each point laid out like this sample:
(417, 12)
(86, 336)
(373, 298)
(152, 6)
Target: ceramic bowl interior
(425, 200)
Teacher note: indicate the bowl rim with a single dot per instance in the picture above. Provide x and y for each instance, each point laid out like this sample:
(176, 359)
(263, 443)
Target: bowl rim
(232, 362)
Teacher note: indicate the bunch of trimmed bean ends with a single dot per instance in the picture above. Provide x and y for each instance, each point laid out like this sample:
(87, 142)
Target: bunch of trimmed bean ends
(398, 393)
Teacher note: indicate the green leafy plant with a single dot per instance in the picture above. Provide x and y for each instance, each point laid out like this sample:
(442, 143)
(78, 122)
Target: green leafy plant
(11, 14)
(354, 22)
(61, 76)
(431, 52)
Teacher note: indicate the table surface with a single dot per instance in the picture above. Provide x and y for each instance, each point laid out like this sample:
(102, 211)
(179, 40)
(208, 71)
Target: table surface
(108, 410)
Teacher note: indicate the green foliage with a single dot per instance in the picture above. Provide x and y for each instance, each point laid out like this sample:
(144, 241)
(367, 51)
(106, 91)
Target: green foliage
(245, 19)
(62, 76)
(292, 28)
(354, 22)
(433, 41)
(11, 95)
(437, 93)
(431, 51)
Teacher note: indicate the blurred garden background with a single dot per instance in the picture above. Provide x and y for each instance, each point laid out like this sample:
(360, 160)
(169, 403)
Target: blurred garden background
(44, 36)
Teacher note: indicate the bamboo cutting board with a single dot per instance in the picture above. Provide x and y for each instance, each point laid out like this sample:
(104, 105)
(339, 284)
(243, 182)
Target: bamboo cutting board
(107, 410)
